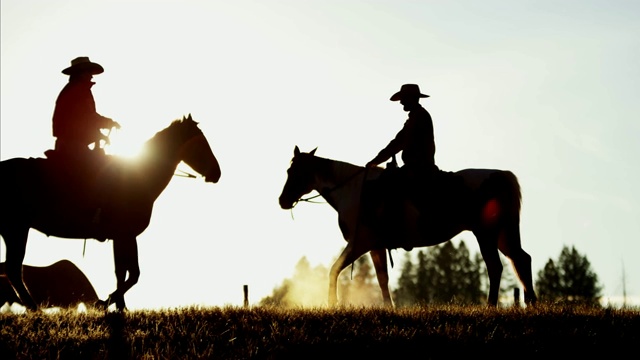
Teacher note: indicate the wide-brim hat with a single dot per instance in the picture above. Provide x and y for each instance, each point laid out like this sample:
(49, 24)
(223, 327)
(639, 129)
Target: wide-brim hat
(408, 90)
(83, 64)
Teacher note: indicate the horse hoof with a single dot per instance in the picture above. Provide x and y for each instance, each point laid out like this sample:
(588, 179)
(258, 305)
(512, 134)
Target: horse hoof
(102, 304)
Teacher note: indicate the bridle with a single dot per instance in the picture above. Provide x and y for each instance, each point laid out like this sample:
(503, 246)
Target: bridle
(324, 193)
(180, 172)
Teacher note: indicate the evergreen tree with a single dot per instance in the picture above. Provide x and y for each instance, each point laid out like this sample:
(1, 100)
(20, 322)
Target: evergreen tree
(457, 277)
(570, 279)
(469, 278)
(405, 294)
(508, 279)
(424, 279)
(443, 274)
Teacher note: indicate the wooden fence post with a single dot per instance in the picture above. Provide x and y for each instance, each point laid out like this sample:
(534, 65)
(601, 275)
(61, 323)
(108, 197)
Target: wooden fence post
(245, 288)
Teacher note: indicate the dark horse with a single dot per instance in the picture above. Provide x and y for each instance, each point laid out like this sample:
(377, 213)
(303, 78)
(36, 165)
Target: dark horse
(484, 201)
(34, 194)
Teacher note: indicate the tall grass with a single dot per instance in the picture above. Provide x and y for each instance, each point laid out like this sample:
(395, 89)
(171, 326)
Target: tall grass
(271, 333)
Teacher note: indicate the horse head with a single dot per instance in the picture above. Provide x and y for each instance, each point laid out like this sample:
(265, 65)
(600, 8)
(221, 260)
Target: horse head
(300, 178)
(196, 151)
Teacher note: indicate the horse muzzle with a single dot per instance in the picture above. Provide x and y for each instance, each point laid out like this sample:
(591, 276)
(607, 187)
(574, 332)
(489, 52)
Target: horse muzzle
(285, 204)
(212, 177)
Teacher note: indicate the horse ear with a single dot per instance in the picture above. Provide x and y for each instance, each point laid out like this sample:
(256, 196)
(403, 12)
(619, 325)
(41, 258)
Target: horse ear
(189, 117)
(312, 152)
(296, 151)
(183, 118)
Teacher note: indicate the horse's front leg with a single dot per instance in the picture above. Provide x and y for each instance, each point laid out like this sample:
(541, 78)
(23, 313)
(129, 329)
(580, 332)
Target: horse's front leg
(379, 258)
(125, 256)
(346, 258)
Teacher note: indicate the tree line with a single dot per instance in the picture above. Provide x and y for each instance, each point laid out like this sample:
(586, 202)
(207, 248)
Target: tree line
(443, 274)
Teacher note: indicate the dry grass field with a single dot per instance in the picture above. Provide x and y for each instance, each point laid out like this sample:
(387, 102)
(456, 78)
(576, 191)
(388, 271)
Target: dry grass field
(445, 332)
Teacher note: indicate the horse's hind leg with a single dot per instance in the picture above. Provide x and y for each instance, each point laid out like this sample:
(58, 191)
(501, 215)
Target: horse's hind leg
(510, 245)
(379, 258)
(489, 250)
(16, 243)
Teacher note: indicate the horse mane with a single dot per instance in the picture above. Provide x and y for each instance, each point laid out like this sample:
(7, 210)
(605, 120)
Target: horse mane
(166, 138)
(337, 169)
(164, 133)
(334, 168)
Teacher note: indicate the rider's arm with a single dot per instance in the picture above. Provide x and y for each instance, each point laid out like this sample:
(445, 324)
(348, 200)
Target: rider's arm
(396, 145)
(105, 122)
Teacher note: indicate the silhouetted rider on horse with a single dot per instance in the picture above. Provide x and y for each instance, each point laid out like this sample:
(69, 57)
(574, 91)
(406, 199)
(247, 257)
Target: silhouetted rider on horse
(76, 125)
(410, 182)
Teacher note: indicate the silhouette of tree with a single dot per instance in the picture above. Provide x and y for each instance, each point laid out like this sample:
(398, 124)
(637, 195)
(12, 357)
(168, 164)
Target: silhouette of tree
(405, 295)
(457, 277)
(569, 280)
(443, 274)
(424, 278)
(508, 281)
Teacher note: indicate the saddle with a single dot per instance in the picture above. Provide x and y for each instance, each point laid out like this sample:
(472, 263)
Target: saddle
(387, 199)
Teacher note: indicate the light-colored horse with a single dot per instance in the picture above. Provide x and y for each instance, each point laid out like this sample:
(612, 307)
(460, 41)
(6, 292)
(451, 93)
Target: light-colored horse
(490, 209)
(36, 194)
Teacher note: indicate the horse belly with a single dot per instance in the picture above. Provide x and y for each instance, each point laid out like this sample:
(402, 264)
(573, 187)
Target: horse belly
(70, 222)
(436, 235)
(440, 227)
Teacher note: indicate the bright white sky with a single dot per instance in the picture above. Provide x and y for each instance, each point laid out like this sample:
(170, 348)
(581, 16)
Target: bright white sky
(547, 89)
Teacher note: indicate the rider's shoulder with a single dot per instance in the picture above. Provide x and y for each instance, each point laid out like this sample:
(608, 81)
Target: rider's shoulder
(419, 113)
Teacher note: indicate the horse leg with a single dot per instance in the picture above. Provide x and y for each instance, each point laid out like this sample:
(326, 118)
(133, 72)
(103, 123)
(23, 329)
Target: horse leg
(346, 258)
(510, 245)
(379, 258)
(16, 244)
(125, 256)
(489, 251)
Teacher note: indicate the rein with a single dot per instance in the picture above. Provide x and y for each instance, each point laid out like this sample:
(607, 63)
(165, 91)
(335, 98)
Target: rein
(327, 192)
(184, 174)
(392, 164)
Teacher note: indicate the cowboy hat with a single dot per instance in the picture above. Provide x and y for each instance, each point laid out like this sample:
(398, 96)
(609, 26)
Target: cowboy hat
(408, 90)
(82, 64)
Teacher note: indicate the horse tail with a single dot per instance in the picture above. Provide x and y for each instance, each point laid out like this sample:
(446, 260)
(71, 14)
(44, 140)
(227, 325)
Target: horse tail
(511, 195)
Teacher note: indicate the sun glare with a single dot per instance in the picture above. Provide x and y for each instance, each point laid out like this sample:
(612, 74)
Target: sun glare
(123, 145)
(124, 150)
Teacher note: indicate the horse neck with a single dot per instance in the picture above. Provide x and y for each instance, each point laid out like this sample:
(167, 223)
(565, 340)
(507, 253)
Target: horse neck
(158, 167)
(338, 181)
